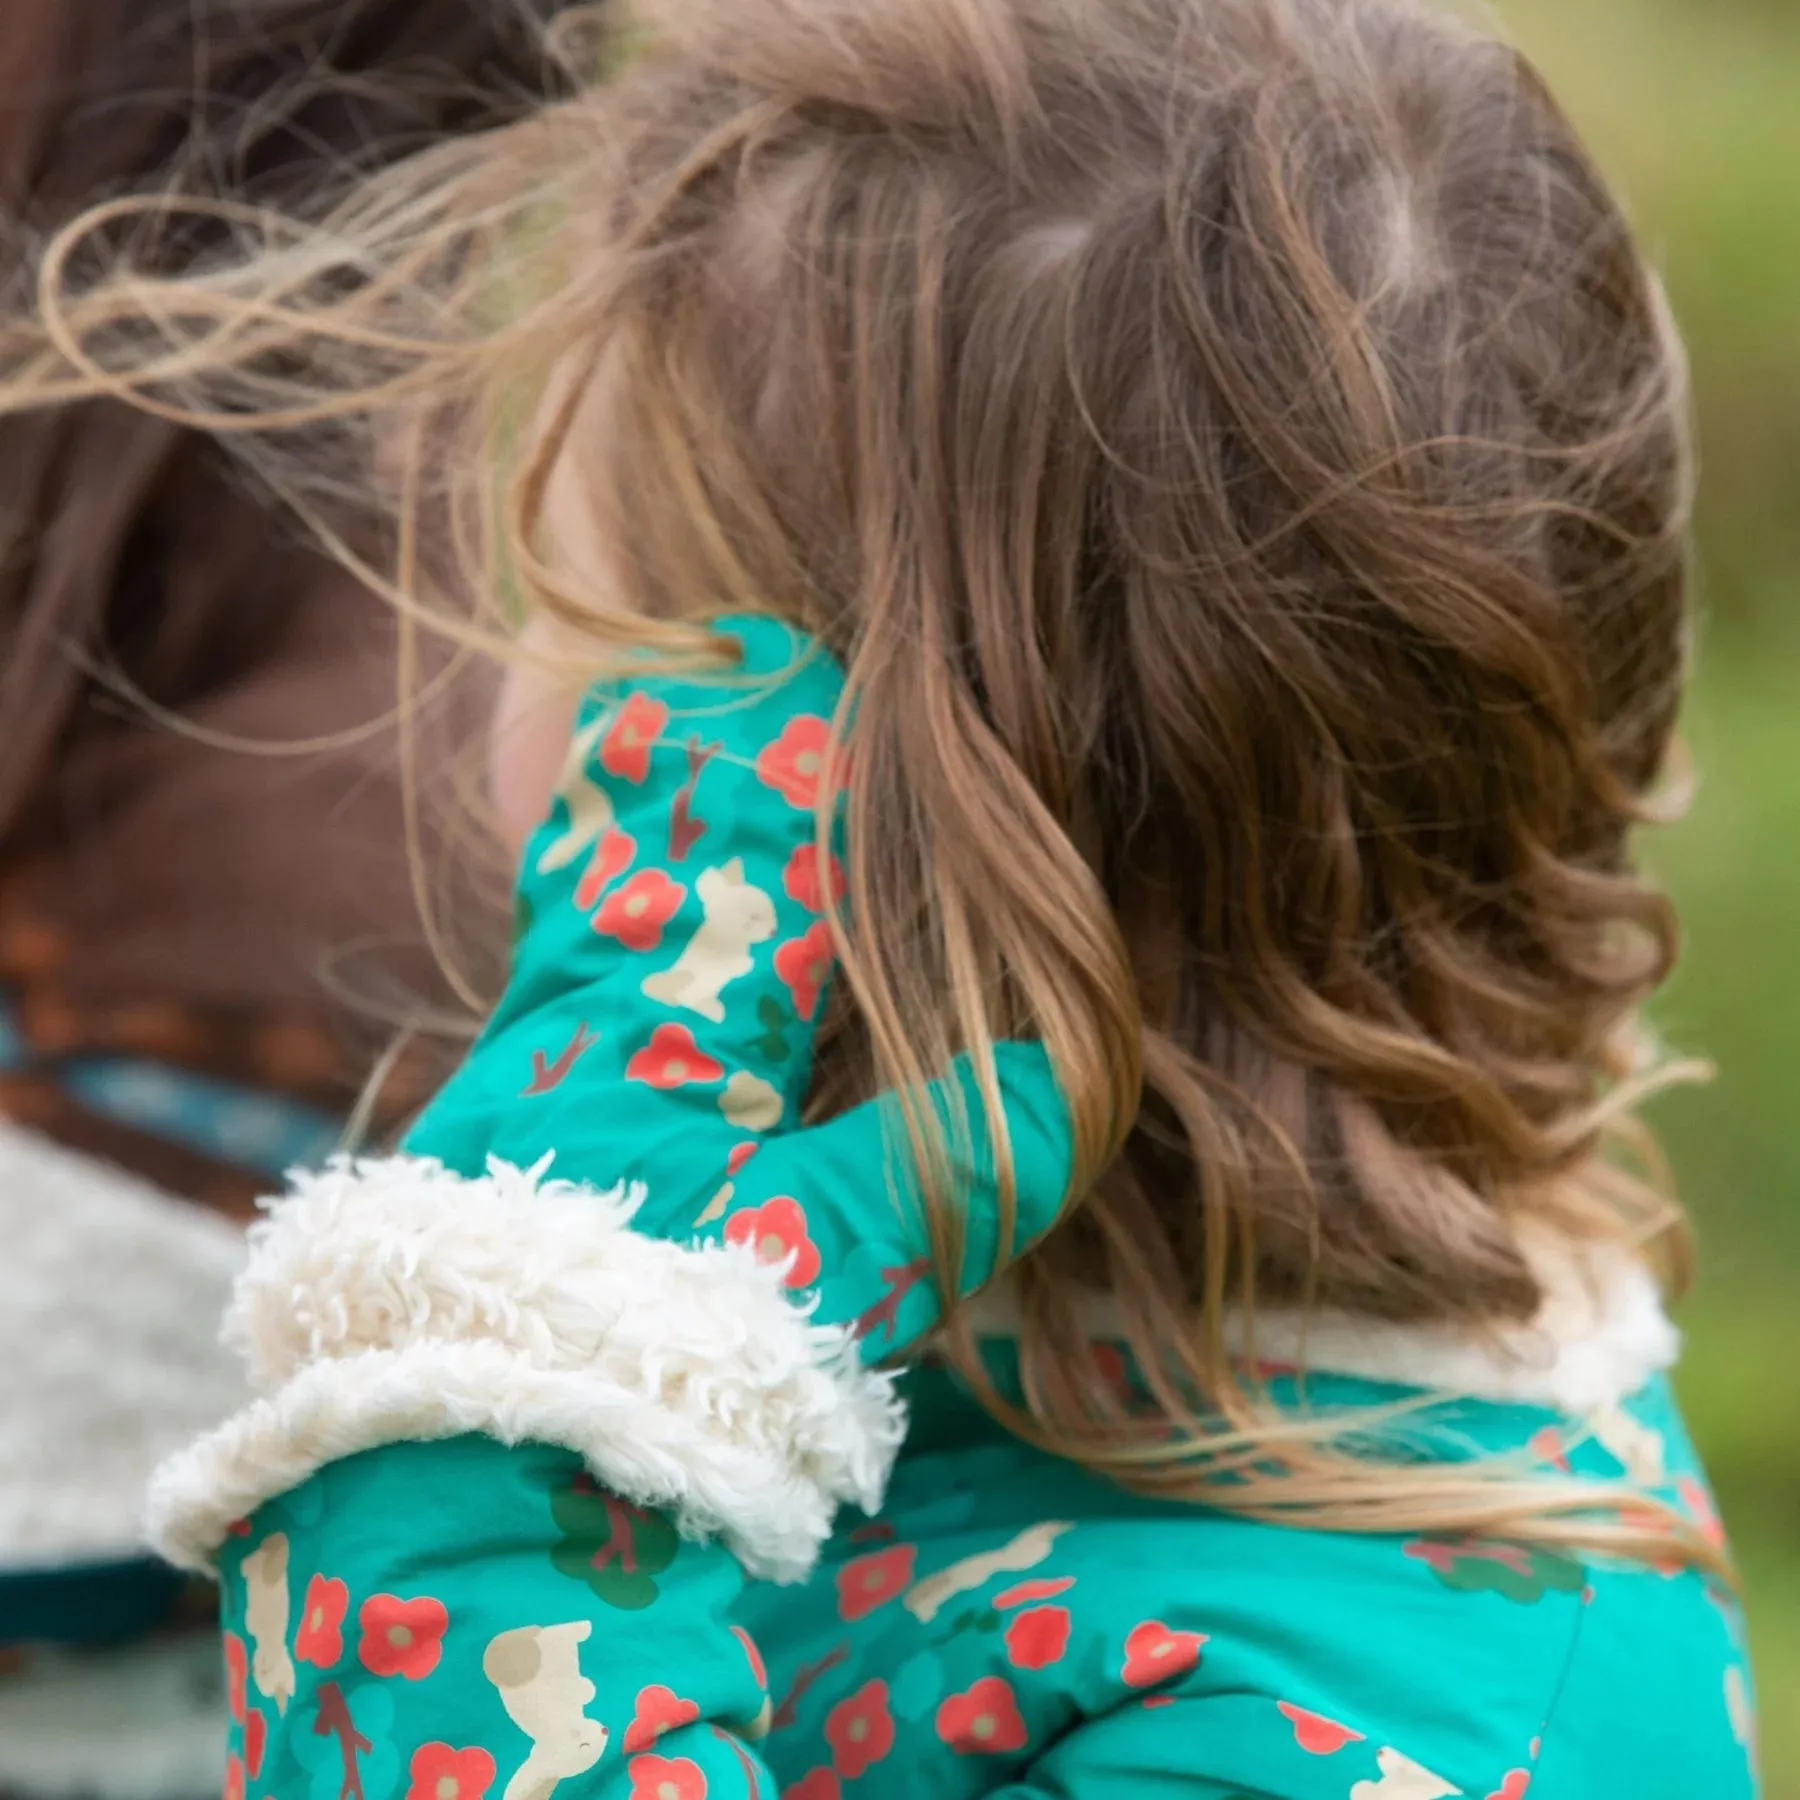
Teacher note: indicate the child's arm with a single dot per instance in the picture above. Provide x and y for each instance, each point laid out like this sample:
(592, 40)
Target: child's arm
(613, 1195)
(659, 1025)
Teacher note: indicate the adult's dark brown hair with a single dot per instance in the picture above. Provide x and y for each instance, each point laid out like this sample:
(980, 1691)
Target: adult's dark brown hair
(160, 890)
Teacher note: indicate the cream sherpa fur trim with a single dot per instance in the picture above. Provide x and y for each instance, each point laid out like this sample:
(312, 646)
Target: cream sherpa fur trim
(1600, 1334)
(392, 1299)
(110, 1294)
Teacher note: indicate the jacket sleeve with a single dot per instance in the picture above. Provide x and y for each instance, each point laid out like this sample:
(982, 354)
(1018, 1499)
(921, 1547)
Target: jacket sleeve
(609, 1233)
(658, 1030)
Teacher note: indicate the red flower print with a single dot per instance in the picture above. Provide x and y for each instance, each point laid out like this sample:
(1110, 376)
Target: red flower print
(1037, 1637)
(672, 1059)
(612, 857)
(256, 1741)
(816, 1784)
(1151, 1702)
(636, 913)
(625, 750)
(234, 1778)
(1023, 1592)
(740, 1154)
(984, 1721)
(800, 760)
(237, 1673)
(801, 878)
(320, 1639)
(440, 1773)
(868, 1582)
(666, 1778)
(401, 1637)
(804, 965)
(776, 1231)
(1314, 1733)
(758, 1667)
(1513, 1787)
(860, 1730)
(1547, 1446)
(658, 1710)
(1154, 1653)
(239, 1528)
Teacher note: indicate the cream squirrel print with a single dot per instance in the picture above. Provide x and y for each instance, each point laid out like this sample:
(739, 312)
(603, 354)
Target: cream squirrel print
(927, 1598)
(265, 1572)
(536, 1670)
(590, 806)
(1403, 1779)
(739, 915)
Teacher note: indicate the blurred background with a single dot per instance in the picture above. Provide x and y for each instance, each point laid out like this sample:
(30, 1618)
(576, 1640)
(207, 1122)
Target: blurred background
(1694, 110)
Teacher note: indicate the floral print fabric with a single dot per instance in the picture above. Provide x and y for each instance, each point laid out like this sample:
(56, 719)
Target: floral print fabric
(1008, 1626)
(461, 1619)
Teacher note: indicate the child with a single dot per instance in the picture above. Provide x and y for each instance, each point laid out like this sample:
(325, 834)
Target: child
(1234, 454)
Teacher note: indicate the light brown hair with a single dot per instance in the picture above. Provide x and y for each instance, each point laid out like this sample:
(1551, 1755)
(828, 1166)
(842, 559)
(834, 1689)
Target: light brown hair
(1239, 453)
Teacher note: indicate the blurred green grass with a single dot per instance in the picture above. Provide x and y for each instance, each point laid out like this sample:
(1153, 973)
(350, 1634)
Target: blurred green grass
(1734, 868)
(1694, 109)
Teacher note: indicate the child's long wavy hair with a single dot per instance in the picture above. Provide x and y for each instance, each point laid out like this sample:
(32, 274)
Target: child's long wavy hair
(1240, 455)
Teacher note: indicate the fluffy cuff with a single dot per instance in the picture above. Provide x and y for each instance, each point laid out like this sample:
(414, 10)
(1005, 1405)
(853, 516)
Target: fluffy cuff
(392, 1299)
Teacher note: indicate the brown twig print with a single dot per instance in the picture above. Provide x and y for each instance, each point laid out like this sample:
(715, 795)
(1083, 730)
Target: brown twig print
(804, 1679)
(884, 1315)
(547, 1076)
(335, 1721)
(685, 831)
(621, 1541)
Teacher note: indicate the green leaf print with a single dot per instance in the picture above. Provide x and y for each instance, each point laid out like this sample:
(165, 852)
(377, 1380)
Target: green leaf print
(1522, 1573)
(977, 1618)
(776, 1021)
(618, 1549)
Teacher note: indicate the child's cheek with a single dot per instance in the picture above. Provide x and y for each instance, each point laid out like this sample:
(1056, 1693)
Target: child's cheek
(532, 726)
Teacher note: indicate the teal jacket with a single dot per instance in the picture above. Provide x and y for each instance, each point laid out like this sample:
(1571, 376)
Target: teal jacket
(617, 1331)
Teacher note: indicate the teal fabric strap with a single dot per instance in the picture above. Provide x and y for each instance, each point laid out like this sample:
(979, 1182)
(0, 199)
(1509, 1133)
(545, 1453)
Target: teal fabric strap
(247, 1127)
